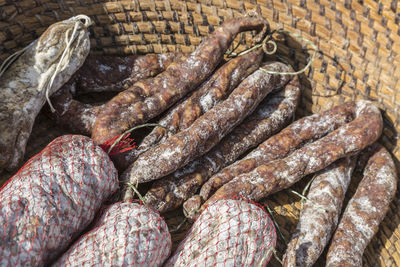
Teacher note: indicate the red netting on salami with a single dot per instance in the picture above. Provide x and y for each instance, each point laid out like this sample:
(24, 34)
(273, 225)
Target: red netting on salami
(126, 234)
(229, 232)
(52, 199)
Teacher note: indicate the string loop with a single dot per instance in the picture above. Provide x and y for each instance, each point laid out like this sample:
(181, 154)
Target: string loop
(269, 41)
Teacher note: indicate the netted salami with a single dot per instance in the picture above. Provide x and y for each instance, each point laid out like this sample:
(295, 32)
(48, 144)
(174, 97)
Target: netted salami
(228, 233)
(126, 234)
(365, 211)
(52, 199)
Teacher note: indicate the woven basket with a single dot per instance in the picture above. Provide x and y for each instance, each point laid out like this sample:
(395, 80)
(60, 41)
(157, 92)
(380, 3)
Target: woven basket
(358, 58)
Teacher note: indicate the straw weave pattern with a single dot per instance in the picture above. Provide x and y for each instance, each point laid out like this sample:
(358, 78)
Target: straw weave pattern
(358, 58)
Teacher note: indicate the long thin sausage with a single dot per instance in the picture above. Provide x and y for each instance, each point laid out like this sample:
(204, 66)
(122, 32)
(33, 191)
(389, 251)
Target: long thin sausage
(366, 209)
(320, 214)
(147, 99)
(100, 74)
(282, 173)
(116, 73)
(280, 145)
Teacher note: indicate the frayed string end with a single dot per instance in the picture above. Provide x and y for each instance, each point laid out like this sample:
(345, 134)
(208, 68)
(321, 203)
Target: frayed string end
(123, 144)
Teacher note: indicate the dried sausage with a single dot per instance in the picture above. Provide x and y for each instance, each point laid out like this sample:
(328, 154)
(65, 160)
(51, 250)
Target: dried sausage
(366, 209)
(25, 85)
(320, 214)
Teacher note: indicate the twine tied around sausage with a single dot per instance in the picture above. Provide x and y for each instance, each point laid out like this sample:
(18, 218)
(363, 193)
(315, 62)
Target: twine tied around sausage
(270, 41)
(69, 40)
(74, 35)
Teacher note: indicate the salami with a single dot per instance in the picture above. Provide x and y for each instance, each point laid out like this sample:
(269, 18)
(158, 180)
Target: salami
(52, 199)
(206, 131)
(228, 233)
(147, 99)
(298, 133)
(279, 174)
(271, 115)
(46, 64)
(320, 214)
(366, 209)
(210, 93)
(126, 234)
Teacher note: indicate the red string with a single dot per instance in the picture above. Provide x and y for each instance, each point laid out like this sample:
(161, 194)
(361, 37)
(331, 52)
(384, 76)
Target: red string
(125, 144)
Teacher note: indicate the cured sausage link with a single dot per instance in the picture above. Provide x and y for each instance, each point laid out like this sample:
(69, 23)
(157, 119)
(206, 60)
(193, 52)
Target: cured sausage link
(100, 74)
(115, 73)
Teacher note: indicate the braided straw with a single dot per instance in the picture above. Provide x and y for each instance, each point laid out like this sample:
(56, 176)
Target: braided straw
(358, 57)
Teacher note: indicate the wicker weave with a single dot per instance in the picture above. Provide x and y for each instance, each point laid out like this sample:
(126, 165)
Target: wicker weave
(359, 54)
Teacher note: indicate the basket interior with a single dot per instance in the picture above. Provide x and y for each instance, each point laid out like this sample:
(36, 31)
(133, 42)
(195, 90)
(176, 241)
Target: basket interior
(358, 58)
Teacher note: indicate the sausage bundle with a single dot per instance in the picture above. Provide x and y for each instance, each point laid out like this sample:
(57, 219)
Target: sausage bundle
(52, 199)
(271, 115)
(298, 133)
(126, 234)
(182, 115)
(207, 130)
(279, 174)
